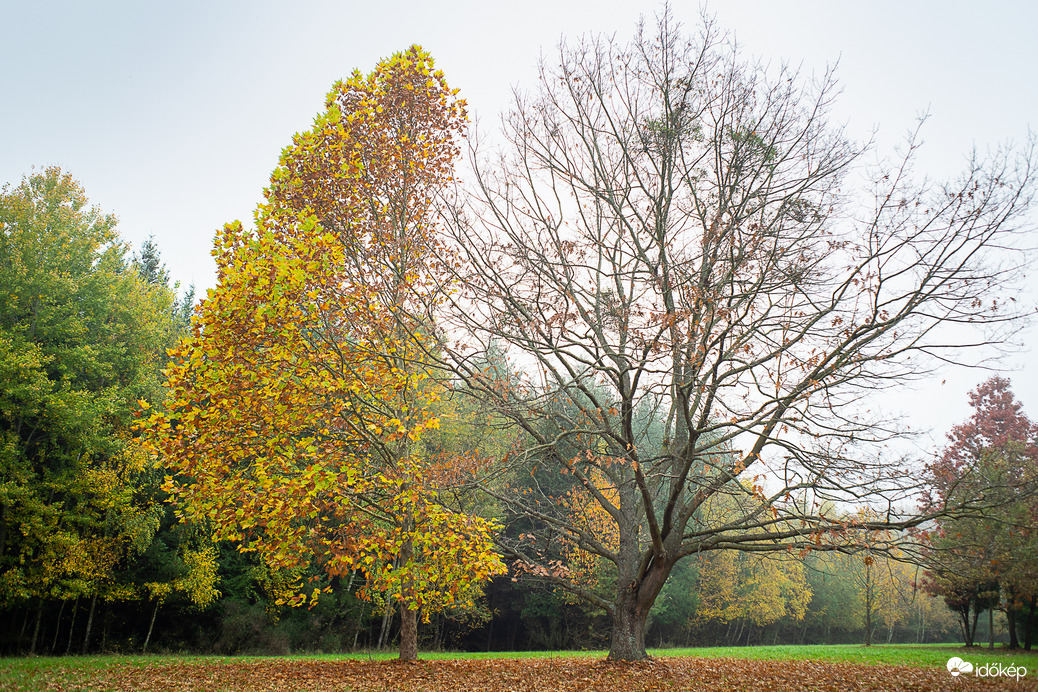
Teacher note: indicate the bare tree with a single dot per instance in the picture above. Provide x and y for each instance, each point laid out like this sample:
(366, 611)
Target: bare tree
(676, 236)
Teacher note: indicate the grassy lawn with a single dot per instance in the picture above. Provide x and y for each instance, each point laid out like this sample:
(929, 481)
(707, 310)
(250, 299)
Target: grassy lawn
(92, 672)
(880, 654)
(885, 654)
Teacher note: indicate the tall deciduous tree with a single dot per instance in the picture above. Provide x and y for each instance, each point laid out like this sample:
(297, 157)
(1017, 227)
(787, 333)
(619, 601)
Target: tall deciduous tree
(673, 233)
(299, 402)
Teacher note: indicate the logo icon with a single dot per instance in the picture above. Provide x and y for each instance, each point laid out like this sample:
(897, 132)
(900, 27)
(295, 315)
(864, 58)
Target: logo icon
(957, 666)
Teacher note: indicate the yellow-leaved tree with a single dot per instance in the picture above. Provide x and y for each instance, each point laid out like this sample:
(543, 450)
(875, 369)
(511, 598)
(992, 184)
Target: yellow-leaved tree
(759, 589)
(298, 403)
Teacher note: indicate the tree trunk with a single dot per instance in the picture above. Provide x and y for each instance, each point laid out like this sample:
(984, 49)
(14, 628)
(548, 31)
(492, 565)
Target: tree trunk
(868, 601)
(868, 622)
(991, 628)
(976, 616)
(151, 625)
(72, 626)
(36, 628)
(383, 635)
(106, 622)
(57, 627)
(360, 620)
(964, 625)
(90, 623)
(25, 622)
(408, 633)
(1014, 642)
(1030, 622)
(438, 639)
(920, 631)
(627, 642)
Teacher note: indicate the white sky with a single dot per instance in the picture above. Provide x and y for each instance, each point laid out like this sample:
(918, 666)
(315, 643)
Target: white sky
(172, 115)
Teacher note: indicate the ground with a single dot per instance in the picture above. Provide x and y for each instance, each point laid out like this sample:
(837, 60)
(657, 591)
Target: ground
(561, 674)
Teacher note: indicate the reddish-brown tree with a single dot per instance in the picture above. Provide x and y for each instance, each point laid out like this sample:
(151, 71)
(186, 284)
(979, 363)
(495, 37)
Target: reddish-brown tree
(989, 555)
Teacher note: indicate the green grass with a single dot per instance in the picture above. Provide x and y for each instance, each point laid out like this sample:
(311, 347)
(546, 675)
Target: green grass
(20, 673)
(930, 655)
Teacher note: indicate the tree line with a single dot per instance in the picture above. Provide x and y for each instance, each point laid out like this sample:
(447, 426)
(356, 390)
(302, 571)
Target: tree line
(608, 382)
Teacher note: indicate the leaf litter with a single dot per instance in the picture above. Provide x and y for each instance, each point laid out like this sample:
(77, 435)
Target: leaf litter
(519, 675)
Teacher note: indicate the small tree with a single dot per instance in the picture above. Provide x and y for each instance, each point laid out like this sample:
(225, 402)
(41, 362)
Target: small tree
(990, 555)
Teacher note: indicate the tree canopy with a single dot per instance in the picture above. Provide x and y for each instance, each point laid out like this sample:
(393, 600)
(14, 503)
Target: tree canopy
(299, 402)
(673, 233)
(82, 336)
(987, 557)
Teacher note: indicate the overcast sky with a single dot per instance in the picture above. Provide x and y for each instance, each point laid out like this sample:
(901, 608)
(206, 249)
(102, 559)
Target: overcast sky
(172, 115)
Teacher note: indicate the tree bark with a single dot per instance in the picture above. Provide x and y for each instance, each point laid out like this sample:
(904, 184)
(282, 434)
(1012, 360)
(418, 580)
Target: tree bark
(1030, 622)
(628, 639)
(1014, 642)
(106, 623)
(57, 626)
(976, 616)
(964, 624)
(356, 631)
(868, 601)
(383, 635)
(90, 623)
(438, 639)
(25, 622)
(36, 628)
(72, 626)
(408, 617)
(408, 633)
(991, 628)
(151, 625)
(630, 614)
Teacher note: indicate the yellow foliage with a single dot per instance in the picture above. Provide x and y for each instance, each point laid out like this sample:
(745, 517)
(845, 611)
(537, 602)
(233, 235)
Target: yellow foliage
(737, 585)
(587, 514)
(200, 581)
(297, 401)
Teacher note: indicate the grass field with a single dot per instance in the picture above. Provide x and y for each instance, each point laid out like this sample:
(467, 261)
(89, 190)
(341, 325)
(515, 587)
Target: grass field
(890, 655)
(768, 668)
